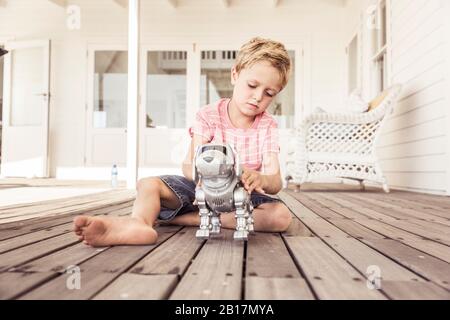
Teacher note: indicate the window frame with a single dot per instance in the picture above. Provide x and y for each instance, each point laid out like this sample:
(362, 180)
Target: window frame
(380, 53)
(144, 50)
(359, 54)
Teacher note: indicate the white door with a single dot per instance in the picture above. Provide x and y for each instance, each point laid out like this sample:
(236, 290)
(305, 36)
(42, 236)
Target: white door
(107, 107)
(165, 106)
(25, 109)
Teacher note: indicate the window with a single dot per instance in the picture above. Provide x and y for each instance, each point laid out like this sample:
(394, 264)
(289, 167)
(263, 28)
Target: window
(166, 89)
(110, 89)
(215, 75)
(380, 49)
(215, 84)
(283, 105)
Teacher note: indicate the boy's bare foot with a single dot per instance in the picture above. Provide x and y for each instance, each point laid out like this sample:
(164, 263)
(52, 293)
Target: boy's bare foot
(107, 231)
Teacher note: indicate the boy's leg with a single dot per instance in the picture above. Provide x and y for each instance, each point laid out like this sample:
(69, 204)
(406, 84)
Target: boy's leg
(152, 194)
(137, 229)
(269, 217)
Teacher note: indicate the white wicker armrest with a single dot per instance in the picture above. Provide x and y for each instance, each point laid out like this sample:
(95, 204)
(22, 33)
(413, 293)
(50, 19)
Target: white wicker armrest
(357, 118)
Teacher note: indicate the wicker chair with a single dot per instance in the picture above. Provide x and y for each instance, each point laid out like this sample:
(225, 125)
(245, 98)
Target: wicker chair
(341, 145)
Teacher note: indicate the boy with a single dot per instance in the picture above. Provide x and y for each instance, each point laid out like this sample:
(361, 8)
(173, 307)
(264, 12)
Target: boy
(261, 71)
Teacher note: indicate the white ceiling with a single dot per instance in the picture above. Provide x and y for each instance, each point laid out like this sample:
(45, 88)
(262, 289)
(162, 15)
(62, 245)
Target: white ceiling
(225, 3)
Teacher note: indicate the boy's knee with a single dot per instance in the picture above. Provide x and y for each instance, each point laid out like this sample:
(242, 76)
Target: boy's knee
(282, 218)
(148, 184)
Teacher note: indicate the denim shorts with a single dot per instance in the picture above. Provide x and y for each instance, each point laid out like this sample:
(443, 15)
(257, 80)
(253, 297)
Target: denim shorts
(184, 189)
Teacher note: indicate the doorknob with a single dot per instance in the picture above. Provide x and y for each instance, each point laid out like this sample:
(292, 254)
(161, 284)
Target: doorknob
(44, 95)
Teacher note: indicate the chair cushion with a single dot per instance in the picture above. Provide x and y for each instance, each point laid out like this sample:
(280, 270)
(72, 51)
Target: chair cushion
(377, 101)
(355, 103)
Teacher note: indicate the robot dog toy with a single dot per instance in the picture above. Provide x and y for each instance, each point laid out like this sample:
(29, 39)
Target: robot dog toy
(217, 173)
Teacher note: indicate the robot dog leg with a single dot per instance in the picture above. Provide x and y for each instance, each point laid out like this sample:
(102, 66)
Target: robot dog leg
(244, 219)
(205, 215)
(215, 223)
(250, 220)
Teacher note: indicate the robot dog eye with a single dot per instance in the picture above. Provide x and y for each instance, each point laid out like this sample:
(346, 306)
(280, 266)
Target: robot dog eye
(208, 159)
(221, 149)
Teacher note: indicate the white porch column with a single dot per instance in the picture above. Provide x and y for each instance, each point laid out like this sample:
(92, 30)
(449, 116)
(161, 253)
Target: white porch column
(133, 86)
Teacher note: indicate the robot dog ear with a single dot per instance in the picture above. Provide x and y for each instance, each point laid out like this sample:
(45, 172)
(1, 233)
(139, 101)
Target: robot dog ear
(195, 176)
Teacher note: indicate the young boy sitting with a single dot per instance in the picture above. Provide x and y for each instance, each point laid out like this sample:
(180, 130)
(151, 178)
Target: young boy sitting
(261, 71)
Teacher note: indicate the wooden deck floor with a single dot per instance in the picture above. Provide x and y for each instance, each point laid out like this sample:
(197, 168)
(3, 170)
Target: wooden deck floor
(340, 237)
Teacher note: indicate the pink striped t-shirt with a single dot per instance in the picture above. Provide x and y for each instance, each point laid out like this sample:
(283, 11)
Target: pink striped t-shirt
(213, 123)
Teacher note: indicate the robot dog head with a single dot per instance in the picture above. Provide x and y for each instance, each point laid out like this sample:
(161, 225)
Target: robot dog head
(216, 164)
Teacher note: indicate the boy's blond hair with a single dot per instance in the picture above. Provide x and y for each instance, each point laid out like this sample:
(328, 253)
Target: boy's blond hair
(259, 49)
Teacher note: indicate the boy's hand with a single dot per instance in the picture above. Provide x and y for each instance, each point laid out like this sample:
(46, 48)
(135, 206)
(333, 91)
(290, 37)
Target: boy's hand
(252, 180)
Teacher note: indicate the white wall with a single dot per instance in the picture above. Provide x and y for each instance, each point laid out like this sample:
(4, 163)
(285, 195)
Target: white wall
(413, 147)
(317, 23)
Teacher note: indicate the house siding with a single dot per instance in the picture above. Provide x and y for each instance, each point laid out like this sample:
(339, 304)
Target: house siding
(413, 146)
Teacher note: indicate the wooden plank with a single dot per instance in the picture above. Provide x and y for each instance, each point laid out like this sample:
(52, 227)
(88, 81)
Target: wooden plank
(419, 206)
(330, 276)
(173, 256)
(17, 225)
(267, 256)
(391, 213)
(36, 250)
(216, 272)
(291, 202)
(422, 263)
(43, 223)
(63, 210)
(428, 199)
(64, 203)
(412, 201)
(297, 228)
(355, 252)
(78, 198)
(99, 271)
(407, 290)
(401, 213)
(29, 238)
(355, 229)
(271, 272)
(431, 247)
(60, 260)
(431, 232)
(361, 258)
(261, 288)
(13, 284)
(139, 287)
(36, 236)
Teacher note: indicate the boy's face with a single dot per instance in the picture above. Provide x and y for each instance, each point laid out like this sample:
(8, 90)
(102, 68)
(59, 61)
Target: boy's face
(255, 87)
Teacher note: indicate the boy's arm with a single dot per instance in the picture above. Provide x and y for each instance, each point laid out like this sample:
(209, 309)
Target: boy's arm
(272, 183)
(268, 182)
(196, 141)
